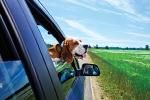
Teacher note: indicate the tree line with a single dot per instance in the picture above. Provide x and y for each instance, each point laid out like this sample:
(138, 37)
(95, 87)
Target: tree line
(147, 47)
(121, 48)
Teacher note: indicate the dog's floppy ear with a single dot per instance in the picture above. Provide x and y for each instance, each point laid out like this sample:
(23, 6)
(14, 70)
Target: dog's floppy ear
(50, 50)
(58, 47)
(66, 54)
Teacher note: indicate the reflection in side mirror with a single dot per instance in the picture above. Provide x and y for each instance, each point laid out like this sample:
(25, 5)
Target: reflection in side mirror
(90, 70)
(65, 75)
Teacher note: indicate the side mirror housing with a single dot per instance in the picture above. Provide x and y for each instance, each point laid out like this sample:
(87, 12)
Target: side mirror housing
(90, 70)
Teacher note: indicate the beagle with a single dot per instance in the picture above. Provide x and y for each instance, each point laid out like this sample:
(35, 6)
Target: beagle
(70, 48)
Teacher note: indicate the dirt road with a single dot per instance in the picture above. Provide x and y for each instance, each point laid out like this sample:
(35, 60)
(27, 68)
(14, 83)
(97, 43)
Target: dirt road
(92, 90)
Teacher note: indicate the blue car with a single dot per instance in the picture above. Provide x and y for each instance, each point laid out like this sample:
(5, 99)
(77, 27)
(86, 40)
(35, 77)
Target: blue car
(26, 69)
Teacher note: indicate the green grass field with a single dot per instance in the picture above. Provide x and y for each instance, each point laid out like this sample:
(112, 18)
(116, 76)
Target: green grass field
(125, 74)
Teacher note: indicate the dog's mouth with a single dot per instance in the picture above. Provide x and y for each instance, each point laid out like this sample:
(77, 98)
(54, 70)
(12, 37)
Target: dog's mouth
(80, 56)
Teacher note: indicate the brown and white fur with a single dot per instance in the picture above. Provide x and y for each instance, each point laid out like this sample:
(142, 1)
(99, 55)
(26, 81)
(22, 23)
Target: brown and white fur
(70, 48)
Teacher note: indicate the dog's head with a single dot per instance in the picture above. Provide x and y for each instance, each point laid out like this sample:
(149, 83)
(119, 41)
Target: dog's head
(80, 50)
(73, 47)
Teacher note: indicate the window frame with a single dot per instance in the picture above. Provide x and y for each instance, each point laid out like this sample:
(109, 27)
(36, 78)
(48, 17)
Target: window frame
(50, 25)
(47, 21)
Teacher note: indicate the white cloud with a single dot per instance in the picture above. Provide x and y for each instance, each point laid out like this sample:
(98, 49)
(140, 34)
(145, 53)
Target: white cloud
(82, 4)
(133, 26)
(138, 18)
(90, 4)
(124, 5)
(85, 30)
(128, 9)
(88, 33)
(110, 11)
(139, 34)
(98, 38)
(142, 18)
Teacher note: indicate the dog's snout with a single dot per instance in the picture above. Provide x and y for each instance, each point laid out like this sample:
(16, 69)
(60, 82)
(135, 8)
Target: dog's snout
(85, 46)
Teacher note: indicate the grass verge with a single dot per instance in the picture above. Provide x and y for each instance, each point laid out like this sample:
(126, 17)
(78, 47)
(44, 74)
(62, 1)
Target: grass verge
(117, 84)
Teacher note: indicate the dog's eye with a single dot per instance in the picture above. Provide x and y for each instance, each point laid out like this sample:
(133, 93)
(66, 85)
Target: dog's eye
(80, 40)
(76, 43)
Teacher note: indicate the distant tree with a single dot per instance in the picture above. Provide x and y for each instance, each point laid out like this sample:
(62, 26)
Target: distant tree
(134, 48)
(96, 46)
(146, 47)
(89, 46)
(126, 48)
(106, 47)
(141, 48)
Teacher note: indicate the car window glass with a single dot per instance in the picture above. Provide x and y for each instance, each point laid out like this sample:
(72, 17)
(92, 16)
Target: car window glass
(14, 83)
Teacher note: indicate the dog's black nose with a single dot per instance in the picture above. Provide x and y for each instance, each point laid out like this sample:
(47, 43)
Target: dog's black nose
(85, 46)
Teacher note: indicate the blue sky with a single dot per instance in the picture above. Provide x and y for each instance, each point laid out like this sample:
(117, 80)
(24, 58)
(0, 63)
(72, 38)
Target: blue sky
(123, 23)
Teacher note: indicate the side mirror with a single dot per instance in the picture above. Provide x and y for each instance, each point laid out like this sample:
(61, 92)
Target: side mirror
(86, 70)
(90, 70)
(65, 75)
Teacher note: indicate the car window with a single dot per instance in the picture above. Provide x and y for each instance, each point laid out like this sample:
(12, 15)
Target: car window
(50, 40)
(14, 83)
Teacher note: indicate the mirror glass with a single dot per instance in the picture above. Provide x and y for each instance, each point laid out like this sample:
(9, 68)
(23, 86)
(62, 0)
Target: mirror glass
(66, 74)
(90, 70)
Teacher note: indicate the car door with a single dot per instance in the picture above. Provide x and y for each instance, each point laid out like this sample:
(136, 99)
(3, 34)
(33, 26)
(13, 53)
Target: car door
(24, 68)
